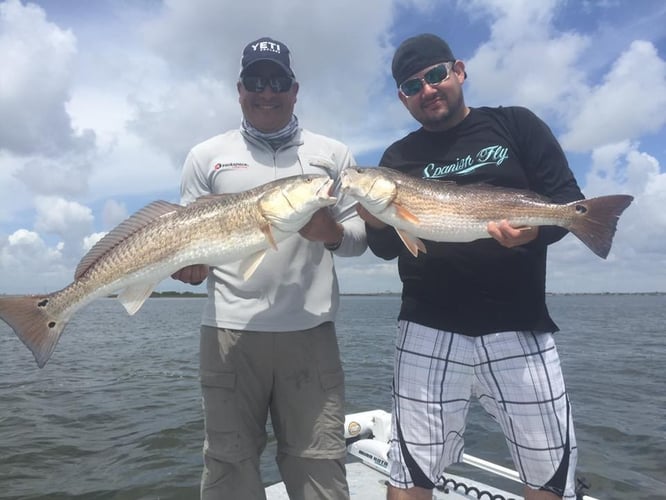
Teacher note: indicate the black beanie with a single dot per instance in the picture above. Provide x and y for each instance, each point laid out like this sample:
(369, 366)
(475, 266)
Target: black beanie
(419, 52)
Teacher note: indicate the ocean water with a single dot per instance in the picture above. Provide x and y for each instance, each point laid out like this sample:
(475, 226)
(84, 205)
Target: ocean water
(116, 412)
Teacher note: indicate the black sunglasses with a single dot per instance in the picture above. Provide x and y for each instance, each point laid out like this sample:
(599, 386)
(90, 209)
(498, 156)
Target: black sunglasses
(435, 76)
(258, 83)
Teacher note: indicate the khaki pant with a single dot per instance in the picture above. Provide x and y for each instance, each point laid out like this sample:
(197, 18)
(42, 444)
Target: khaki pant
(297, 377)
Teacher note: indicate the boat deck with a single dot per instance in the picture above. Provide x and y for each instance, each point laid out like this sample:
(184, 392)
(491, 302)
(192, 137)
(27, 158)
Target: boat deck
(369, 484)
(367, 435)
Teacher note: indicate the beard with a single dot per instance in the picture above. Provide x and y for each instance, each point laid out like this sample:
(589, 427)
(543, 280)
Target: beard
(446, 112)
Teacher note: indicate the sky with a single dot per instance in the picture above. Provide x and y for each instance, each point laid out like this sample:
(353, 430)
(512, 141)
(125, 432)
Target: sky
(101, 101)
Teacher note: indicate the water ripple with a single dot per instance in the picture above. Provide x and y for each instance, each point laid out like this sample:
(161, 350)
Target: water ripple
(116, 413)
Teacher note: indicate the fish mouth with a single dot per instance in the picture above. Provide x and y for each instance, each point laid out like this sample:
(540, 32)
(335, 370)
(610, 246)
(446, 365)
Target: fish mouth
(325, 192)
(346, 180)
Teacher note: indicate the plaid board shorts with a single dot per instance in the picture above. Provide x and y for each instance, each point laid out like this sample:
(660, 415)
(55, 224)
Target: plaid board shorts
(516, 377)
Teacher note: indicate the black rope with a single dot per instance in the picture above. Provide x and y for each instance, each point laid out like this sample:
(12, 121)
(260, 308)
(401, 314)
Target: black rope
(469, 490)
(581, 487)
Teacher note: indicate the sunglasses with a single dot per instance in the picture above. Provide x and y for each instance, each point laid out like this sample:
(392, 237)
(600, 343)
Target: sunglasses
(277, 84)
(435, 76)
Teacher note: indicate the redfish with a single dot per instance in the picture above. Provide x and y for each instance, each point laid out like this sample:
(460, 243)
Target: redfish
(162, 238)
(447, 212)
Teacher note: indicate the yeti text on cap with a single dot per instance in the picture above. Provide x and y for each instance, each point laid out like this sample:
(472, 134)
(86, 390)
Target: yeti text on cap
(269, 46)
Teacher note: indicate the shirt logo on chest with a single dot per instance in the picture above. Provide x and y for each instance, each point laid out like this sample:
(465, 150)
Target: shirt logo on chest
(229, 166)
(489, 155)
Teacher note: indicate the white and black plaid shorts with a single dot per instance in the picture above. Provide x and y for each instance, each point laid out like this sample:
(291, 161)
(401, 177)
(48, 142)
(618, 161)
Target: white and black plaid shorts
(516, 377)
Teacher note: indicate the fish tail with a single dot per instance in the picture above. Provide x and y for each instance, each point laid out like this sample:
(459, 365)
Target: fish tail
(30, 319)
(596, 221)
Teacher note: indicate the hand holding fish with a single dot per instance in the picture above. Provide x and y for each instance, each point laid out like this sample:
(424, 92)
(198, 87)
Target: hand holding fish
(323, 227)
(193, 275)
(509, 236)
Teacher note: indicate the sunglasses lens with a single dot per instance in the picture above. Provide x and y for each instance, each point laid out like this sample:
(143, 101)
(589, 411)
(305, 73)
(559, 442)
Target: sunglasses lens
(280, 83)
(258, 83)
(433, 77)
(253, 83)
(411, 87)
(436, 75)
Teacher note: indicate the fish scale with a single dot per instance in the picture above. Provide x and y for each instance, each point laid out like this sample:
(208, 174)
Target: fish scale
(145, 255)
(162, 238)
(447, 212)
(464, 215)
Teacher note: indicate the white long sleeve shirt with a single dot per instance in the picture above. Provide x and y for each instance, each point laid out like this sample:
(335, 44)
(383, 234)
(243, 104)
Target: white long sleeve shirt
(295, 287)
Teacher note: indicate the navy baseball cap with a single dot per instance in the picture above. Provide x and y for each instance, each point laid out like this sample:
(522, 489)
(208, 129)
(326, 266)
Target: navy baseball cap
(266, 49)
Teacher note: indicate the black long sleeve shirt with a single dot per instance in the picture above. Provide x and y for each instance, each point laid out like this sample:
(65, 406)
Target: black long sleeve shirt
(480, 287)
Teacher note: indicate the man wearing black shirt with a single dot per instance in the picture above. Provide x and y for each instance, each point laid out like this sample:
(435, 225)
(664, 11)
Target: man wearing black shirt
(473, 320)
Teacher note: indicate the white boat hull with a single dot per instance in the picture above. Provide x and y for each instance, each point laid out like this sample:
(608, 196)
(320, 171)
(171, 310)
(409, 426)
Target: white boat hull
(369, 484)
(367, 435)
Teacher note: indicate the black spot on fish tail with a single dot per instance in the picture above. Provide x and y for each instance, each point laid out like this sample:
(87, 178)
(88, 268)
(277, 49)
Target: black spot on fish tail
(33, 324)
(596, 220)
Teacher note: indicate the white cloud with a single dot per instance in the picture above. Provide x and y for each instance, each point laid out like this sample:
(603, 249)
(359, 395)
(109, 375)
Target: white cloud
(102, 125)
(59, 216)
(89, 241)
(630, 102)
(637, 261)
(203, 106)
(70, 221)
(66, 175)
(525, 61)
(41, 153)
(99, 109)
(31, 261)
(26, 240)
(35, 57)
(341, 71)
(623, 167)
(113, 213)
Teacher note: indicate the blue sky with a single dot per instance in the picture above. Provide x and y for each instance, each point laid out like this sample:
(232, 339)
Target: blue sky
(100, 102)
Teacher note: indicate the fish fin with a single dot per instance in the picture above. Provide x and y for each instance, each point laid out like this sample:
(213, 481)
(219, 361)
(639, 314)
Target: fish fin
(250, 264)
(596, 219)
(268, 233)
(139, 220)
(29, 317)
(133, 297)
(405, 214)
(412, 243)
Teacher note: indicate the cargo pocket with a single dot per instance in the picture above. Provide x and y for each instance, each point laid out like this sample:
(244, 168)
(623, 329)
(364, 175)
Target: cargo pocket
(223, 436)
